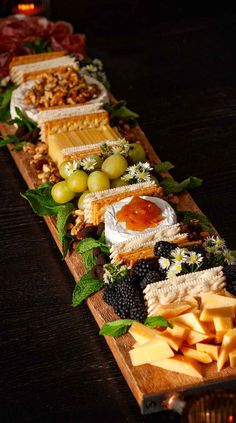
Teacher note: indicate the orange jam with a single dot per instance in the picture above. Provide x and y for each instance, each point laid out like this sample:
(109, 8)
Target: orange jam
(140, 214)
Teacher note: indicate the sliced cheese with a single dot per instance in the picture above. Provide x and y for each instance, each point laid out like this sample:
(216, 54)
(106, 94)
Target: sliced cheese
(200, 356)
(223, 323)
(215, 300)
(142, 333)
(170, 310)
(178, 331)
(195, 337)
(208, 313)
(191, 320)
(180, 364)
(211, 350)
(149, 352)
(232, 358)
(228, 345)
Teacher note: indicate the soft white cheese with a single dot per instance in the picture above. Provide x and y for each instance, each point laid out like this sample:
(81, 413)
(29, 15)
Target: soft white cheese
(116, 231)
(18, 96)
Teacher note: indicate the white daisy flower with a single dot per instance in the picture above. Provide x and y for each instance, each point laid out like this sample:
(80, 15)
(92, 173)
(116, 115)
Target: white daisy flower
(179, 255)
(88, 163)
(145, 167)
(127, 177)
(219, 242)
(194, 258)
(164, 262)
(71, 167)
(212, 249)
(176, 268)
(228, 256)
(142, 176)
(170, 274)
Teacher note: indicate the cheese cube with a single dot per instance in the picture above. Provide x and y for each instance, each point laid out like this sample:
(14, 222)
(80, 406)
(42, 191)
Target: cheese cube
(215, 300)
(209, 313)
(142, 333)
(223, 323)
(151, 351)
(194, 337)
(191, 320)
(180, 364)
(200, 356)
(232, 358)
(218, 338)
(178, 331)
(211, 350)
(228, 345)
(170, 310)
(173, 342)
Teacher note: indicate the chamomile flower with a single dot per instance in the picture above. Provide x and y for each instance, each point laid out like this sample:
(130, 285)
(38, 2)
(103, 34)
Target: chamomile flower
(179, 255)
(176, 268)
(228, 256)
(72, 167)
(127, 177)
(88, 163)
(120, 147)
(140, 172)
(214, 245)
(164, 262)
(170, 274)
(194, 258)
(219, 242)
(212, 249)
(142, 176)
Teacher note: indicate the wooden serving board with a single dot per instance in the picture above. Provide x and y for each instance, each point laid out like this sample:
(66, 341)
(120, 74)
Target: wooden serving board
(150, 385)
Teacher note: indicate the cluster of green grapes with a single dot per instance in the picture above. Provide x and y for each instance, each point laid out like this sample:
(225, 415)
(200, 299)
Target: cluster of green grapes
(106, 174)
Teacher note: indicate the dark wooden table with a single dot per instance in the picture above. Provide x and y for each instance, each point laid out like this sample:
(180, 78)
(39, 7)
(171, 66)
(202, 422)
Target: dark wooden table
(179, 75)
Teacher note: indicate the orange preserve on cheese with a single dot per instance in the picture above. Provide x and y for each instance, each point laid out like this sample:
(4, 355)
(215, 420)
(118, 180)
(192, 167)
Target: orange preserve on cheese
(140, 214)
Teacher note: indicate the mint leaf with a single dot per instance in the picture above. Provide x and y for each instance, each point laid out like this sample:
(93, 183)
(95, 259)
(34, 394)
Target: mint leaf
(173, 187)
(164, 166)
(22, 120)
(5, 99)
(186, 215)
(18, 145)
(10, 139)
(155, 321)
(88, 259)
(87, 244)
(62, 217)
(66, 242)
(119, 110)
(41, 200)
(116, 328)
(86, 286)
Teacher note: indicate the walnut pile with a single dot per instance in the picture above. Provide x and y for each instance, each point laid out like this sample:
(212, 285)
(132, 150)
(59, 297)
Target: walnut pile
(64, 87)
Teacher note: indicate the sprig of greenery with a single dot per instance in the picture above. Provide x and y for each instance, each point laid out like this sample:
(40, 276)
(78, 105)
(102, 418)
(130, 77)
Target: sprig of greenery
(164, 167)
(186, 215)
(22, 120)
(119, 110)
(120, 327)
(5, 98)
(173, 187)
(38, 45)
(86, 286)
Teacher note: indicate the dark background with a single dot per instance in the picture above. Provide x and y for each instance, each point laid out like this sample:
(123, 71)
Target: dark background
(175, 64)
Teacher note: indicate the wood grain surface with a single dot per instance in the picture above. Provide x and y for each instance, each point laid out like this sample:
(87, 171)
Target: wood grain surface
(55, 367)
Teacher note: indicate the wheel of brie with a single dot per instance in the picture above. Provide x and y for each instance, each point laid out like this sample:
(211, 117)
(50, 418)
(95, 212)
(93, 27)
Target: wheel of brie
(116, 231)
(18, 99)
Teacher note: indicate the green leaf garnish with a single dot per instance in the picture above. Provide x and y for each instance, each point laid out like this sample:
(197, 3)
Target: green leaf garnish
(62, 217)
(86, 286)
(88, 259)
(157, 321)
(186, 215)
(90, 243)
(120, 327)
(5, 99)
(22, 120)
(173, 187)
(116, 328)
(42, 202)
(38, 45)
(164, 166)
(119, 110)
(66, 242)
(10, 139)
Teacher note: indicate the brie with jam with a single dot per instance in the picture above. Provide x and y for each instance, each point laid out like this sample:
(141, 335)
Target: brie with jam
(116, 231)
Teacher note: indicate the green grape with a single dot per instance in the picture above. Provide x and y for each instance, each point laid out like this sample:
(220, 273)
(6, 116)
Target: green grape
(98, 181)
(98, 159)
(78, 181)
(66, 168)
(118, 183)
(81, 199)
(137, 153)
(61, 193)
(114, 166)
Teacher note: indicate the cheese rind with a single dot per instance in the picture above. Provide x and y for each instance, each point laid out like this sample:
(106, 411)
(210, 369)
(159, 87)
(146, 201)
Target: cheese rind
(180, 364)
(149, 352)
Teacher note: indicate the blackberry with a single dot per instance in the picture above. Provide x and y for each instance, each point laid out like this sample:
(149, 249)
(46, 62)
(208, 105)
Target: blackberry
(126, 298)
(150, 277)
(230, 274)
(163, 248)
(143, 266)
